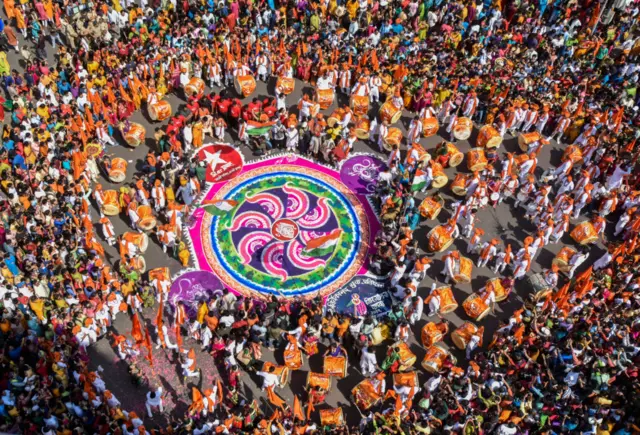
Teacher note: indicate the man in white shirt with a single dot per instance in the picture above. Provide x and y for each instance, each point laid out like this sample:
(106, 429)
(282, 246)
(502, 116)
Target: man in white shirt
(270, 379)
(154, 399)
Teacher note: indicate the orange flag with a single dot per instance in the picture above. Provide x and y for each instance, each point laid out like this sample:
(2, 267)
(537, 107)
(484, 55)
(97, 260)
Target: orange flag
(310, 409)
(147, 344)
(220, 395)
(275, 399)
(297, 409)
(561, 293)
(585, 275)
(398, 405)
(178, 337)
(136, 329)
(197, 404)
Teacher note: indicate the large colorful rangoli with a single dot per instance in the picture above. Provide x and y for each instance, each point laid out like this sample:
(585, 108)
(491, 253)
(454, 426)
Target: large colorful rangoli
(295, 230)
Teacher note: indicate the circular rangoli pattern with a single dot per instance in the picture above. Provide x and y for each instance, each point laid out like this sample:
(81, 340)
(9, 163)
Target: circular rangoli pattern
(294, 231)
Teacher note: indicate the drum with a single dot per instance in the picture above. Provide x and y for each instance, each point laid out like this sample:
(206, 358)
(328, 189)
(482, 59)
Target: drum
(539, 286)
(488, 137)
(359, 104)
(475, 307)
(331, 417)
(423, 155)
(431, 207)
(319, 380)
(393, 137)
(462, 129)
(365, 396)
(362, 128)
(335, 366)
(407, 358)
(325, 97)
(584, 233)
(476, 160)
(135, 135)
(140, 240)
(282, 372)
(435, 358)
(463, 270)
(147, 220)
(409, 379)
(574, 153)
(293, 359)
(562, 259)
(380, 333)
(439, 239)
(430, 335)
(118, 170)
(520, 159)
(245, 85)
(440, 179)
(140, 265)
(455, 156)
(430, 126)
(194, 87)
(389, 113)
(463, 334)
(93, 149)
(495, 285)
(285, 85)
(526, 139)
(160, 111)
(447, 301)
(159, 273)
(335, 117)
(111, 205)
(459, 185)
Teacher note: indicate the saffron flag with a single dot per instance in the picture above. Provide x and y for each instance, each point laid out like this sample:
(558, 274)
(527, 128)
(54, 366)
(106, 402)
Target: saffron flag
(136, 329)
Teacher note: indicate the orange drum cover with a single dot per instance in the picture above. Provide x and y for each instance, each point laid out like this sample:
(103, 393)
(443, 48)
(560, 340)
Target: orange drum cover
(526, 139)
(136, 134)
(476, 160)
(439, 239)
(360, 104)
(462, 129)
(365, 395)
(118, 171)
(574, 153)
(488, 137)
(475, 307)
(459, 185)
(409, 379)
(335, 366)
(495, 285)
(139, 239)
(393, 137)
(147, 219)
(325, 98)
(521, 158)
(245, 85)
(584, 233)
(194, 87)
(455, 156)
(462, 335)
(159, 273)
(331, 417)
(562, 259)
(362, 128)
(285, 85)
(293, 359)
(390, 113)
(319, 380)
(440, 179)
(160, 111)
(111, 205)
(430, 208)
(335, 117)
(407, 358)
(447, 301)
(435, 358)
(139, 264)
(430, 334)
(464, 267)
(430, 126)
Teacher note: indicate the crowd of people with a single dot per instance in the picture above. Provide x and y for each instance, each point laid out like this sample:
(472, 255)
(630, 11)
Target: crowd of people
(567, 361)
